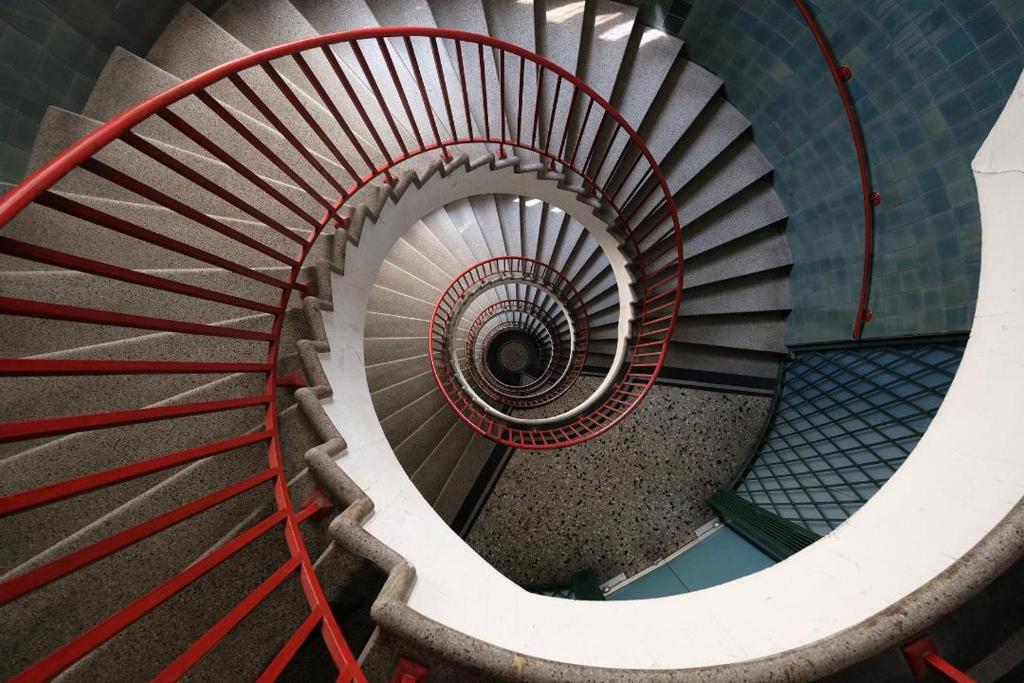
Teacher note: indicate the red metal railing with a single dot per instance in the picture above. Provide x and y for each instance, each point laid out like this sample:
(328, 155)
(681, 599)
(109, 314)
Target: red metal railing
(871, 199)
(923, 657)
(330, 105)
(533, 319)
(583, 422)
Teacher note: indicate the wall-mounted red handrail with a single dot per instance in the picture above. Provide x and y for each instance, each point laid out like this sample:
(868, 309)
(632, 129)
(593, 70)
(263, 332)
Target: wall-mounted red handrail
(871, 198)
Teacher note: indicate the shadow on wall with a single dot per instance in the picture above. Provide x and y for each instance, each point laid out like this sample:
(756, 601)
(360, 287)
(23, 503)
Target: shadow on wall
(930, 78)
(52, 52)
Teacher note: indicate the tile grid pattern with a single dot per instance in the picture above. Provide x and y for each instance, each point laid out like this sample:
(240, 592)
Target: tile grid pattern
(51, 53)
(930, 78)
(844, 423)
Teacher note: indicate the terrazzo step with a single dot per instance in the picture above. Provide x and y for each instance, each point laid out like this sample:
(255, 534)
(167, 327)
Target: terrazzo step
(741, 362)
(408, 258)
(469, 16)
(514, 22)
(388, 325)
(175, 347)
(55, 230)
(193, 43)
(463, 475)
(266, 23)
(453, 238)
(413, 450)
(429, 246)
(166, 633)
(89, 291)
(391, 372)
(61, 128)
(603, 46)
(393, 302)
(432, 474)
(328, 17)
(389, 400)
(750, 210)
(550, 225)
(650, 57)
(419, 14)
(69, 288)
(765, 291)
(351, 584)
(569, 242)
(686, 91)
(756, 253)
(716, 127)
(464, 219)
(558, 33)
(762, 331)
(77, 454)
(739, 166)
(377, 351)
(127, 79)
(402, 423)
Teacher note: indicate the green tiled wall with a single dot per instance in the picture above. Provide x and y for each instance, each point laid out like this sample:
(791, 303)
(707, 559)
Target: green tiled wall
(930, 78)
(52, 51)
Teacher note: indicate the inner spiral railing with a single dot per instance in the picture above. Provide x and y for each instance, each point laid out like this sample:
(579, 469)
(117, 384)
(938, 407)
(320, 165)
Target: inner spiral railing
(530, 317)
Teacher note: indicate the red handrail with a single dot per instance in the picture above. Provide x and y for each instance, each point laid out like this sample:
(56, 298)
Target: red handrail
(536, 393)
(627, 202)
(871, 199)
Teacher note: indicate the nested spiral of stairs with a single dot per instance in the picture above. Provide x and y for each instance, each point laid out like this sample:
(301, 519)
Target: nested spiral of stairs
(161, 206)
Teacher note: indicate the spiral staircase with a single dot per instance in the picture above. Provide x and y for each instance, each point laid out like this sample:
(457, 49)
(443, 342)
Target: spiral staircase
(297, 261)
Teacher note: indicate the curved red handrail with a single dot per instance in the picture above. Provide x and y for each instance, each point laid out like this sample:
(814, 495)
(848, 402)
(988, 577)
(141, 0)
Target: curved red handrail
(871, 199)
(661, 289)
(537, 393)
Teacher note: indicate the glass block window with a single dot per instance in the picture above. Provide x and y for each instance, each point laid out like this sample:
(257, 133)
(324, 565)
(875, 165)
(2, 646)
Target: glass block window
(845, 421)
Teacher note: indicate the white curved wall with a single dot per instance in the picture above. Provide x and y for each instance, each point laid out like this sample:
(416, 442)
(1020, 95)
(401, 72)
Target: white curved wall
(964, 476)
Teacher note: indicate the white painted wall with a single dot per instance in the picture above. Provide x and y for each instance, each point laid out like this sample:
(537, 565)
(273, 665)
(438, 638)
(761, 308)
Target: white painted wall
(964, 476)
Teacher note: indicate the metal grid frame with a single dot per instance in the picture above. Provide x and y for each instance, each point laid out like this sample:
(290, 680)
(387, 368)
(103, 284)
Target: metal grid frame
(845, 421)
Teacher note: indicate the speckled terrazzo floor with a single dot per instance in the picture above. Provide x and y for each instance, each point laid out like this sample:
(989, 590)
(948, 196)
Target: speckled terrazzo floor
(622, 501)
